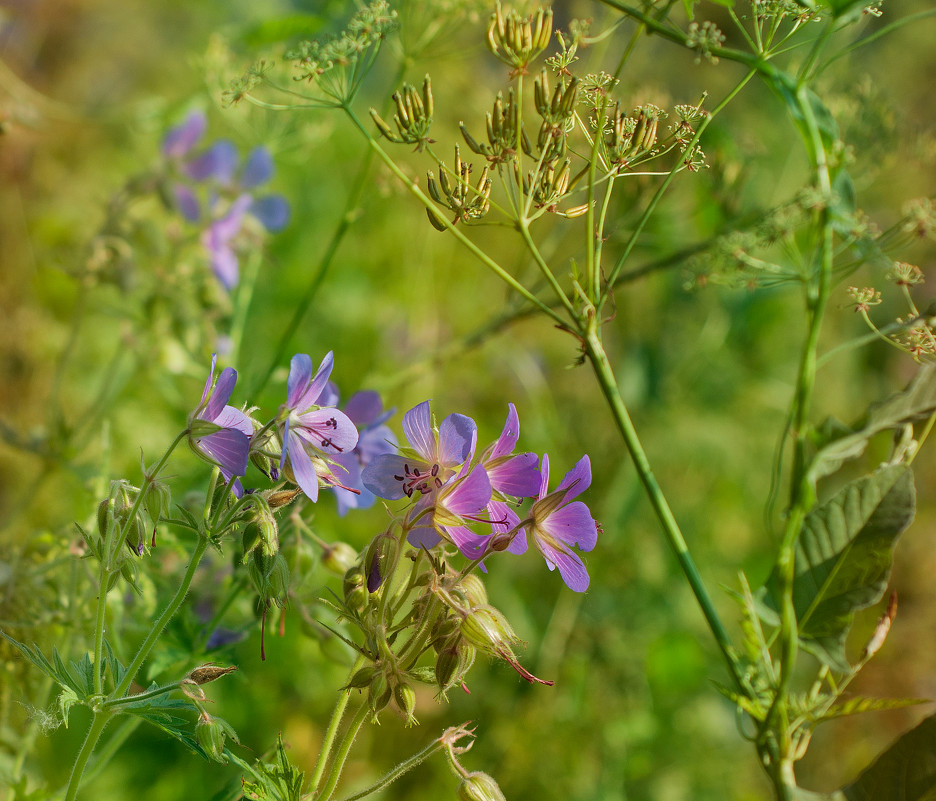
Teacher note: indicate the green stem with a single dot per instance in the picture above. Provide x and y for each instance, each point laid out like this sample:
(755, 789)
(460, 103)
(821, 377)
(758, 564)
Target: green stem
(106, 753)
(167, 615)
(342, 755)
(399, 770)
(100, 720)
(456, 232)
(144, 696)
(245, 290)
(332, 732)
(674, 537)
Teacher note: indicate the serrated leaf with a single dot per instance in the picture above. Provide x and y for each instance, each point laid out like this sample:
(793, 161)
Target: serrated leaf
(756, 710)
(278, 781)
(856, 706)
(34, 655)
(906, 770)
(915, 402)
(843, 559)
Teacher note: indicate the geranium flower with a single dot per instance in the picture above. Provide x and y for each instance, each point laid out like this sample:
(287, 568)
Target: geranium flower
(365, 410)
(230, 196)
(309, 426)
(511, 475)
(557, 523)
(228, 446)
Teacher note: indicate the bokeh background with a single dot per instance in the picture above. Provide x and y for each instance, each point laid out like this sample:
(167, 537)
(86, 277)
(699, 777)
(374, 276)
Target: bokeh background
(90, 376)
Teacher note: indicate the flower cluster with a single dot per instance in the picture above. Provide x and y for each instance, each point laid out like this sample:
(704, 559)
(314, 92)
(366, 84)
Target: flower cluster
(211, 188)
(473, 500)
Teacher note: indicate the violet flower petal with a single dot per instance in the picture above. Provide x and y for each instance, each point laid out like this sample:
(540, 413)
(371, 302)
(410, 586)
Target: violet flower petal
(302, 468)
(417, 425)
(518, 476)
(509, 435)
(229, 448)
(300, 373)
(222, 392)
(378, 476)
(258, 169)
(182, 138)
(573, 525)
(577, 480)
(457, 435)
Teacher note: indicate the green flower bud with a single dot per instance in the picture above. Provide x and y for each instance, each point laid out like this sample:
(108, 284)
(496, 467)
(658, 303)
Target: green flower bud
(339, 557)
(379, 692)
(405, 697)
(486, 628)
(479, 786)
(473, 588)
(211, 732)
(158, 500)
(361, 679)
(355, 593)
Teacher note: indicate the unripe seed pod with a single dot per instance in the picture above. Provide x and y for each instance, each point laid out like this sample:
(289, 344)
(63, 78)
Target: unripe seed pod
(405, 697)
(379, 693)
(478, 786)
(339, 557)
(355, 593)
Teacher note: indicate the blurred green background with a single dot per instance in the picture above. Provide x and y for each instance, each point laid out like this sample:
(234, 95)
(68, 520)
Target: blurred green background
(87, 90)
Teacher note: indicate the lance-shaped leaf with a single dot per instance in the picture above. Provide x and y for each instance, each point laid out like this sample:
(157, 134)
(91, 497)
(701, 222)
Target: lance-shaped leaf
(843, 559)
(915, 402)
(906, 770)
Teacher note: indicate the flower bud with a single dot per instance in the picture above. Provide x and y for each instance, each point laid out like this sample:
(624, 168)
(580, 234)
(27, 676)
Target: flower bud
(211, 732)
(339, 557)
(478, 786)
(355, 593)
(209, 672)
(157, 500)
(381, 559)
(405, 697)
(473, 588)
(379, 692)
(362, 678)
(486, 628)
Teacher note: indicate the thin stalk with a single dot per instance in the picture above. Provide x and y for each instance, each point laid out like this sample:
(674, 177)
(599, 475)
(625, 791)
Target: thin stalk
(399, 770)
(332, 732)
(342, 755)
(167, 615)
(245, 291)
(609, 388)
(113, 703)
(100, 720)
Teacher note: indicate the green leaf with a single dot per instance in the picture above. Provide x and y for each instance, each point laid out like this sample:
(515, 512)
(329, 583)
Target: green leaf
(917, 401)
(278, 781)
(906, 770)
(843, 559)
(176, 727)
(855, 706)
(66, 700)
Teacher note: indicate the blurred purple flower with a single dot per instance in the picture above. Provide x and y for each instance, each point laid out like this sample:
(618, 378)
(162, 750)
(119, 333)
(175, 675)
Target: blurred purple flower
(229, 192)
(309, 425)
(557, 523)
(365, 410)
(225, 440)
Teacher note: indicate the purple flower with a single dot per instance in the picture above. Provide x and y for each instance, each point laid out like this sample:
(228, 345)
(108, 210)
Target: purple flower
(365, 410)
(511, 475)
(228, 446)
(424, 468)
(557, 523)
(309, 426)
(445, 500)
(229, 192)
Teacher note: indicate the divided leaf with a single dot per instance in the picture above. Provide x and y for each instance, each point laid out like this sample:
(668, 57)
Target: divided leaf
(906, 770)
(843, 559)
